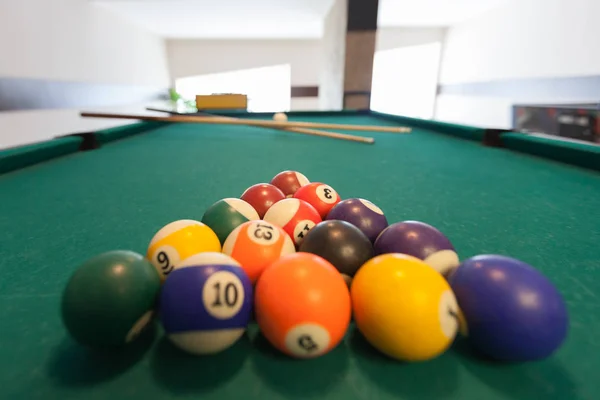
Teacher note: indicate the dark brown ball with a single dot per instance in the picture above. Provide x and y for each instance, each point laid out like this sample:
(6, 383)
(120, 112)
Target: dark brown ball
(341, 243)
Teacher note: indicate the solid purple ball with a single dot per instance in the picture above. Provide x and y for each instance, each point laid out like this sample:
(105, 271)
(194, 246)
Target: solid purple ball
(512, 311)
(361, 213)
(420, 240)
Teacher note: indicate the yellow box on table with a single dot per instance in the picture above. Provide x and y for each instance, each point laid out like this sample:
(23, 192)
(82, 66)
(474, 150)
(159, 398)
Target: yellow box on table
(222, 101)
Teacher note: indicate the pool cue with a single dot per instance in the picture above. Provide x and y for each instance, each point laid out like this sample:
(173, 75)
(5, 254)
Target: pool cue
(233, 121)
(304, 131)
(263, 123)
(333, 135)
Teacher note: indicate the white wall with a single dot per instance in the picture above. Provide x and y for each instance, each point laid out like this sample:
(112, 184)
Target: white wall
(71, 40)
(304, 104)
(198, 57)
(521, 39)
(333, 50)
(483, 111)
(306, 57)
(406, 69)
(76, 40)
(390, 38)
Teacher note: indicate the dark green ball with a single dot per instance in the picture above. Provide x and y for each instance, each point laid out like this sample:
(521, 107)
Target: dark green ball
(227, 214)
(110, 299)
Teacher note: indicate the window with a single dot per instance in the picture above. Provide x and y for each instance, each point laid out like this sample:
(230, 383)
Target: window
(268, 88)
(405, 80)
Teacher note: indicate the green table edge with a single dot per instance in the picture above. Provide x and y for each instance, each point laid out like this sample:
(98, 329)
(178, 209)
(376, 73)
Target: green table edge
(18, 157)
(15, 158)
(575, 153)
(460, 131)
(122, 132)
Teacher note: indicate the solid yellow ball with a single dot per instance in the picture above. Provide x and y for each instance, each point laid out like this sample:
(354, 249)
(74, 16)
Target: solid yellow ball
(404, 307)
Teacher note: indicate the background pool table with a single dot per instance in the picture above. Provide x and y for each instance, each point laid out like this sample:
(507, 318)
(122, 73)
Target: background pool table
(532, 198)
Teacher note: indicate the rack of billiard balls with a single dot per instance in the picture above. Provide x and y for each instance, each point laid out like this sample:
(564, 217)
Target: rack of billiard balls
(304, 263)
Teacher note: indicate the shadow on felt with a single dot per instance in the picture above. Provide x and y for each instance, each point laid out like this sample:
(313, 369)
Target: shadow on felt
(181, 372)
(546, 379)
(435, 379)
(72, 364)
(294, 377)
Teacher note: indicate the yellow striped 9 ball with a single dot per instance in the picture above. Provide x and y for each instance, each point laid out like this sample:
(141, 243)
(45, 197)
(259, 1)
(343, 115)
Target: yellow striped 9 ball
(179, 240)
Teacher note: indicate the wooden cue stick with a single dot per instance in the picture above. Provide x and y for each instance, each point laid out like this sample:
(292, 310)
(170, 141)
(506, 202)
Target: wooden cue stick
(234, 121)
(264, 123)
(333, 135)
(314, 132)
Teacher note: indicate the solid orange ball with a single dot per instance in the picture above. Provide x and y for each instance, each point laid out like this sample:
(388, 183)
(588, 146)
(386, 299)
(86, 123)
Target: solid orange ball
(302, 305)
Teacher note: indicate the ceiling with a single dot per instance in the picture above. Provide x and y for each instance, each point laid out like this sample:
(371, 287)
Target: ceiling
(236, 19)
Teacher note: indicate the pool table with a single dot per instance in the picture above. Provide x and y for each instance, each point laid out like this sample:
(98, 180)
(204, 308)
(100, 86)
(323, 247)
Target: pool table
(490, 191)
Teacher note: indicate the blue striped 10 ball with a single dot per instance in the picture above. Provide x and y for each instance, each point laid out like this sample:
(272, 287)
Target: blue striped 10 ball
(206, 303)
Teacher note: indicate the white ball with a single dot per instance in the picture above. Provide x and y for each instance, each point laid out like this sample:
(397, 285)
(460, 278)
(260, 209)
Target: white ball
(280, 117)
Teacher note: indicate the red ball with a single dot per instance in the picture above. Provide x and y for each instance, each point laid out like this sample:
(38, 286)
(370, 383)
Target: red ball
(289, 182)
(295, 216)
(319, 195)
(262, 196)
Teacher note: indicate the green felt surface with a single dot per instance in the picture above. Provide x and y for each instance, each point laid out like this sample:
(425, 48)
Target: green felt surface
(57, 214)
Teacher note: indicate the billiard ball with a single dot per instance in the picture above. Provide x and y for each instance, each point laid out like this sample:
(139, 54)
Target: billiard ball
(109, 299)
(513, 312)
(420, 240)
(289, 182)
(340, 243)
(227, 214)
(319, 195)
(206, 304)
(302, 305)
(256, 245)
(262, 196)
(295, 216)
(404, 308)
(280, 117)
(361, 213)
(179, 240)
